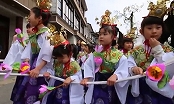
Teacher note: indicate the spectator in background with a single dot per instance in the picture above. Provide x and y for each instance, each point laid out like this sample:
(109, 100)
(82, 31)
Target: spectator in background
(79, 45)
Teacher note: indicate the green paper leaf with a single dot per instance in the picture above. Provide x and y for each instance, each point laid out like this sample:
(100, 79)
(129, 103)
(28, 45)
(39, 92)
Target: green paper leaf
(50, 88)
(161, 84)
(104, 71)
(16, 66)
(42, 95)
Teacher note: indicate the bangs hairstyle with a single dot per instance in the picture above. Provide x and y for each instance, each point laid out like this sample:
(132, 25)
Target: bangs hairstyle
(90, 47)
(28, 26)
(112, 30)
(61, 50)
(44, 14)
(149, 20)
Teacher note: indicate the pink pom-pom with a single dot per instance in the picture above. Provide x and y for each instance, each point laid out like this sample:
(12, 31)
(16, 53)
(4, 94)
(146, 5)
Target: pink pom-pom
(43, 89)
(18, 31)
(98, 61)
(98, 48)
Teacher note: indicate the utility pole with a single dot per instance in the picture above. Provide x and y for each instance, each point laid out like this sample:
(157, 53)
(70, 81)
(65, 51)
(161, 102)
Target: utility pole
(131, 20)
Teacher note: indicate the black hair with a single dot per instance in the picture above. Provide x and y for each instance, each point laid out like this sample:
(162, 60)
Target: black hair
(61, 50)
(90, 47)
(74, 50)
(113, 30)
(44, 14)
(28, 26)
(155, 20)
(121, 46)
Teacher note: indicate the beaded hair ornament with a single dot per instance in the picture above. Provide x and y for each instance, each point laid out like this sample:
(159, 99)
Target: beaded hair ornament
(131, 33)
(106, 20)
(57, 38)
(158, 10)
(44, 5)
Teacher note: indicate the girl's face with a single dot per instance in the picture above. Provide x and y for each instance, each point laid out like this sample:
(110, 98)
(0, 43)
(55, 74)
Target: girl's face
(105, 38)
(87, 49)
(152, 31)
(83, 47)
(128, 45)
(33, 20)
(64, 59)
(79, 42)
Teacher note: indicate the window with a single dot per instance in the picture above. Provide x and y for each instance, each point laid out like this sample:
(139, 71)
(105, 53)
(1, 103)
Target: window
(82, 29)
(59, 4)
(68, 13)
(77, 23)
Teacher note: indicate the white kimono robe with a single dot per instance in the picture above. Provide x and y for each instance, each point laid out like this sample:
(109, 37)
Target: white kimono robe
(76, 91)
(159, 57)
(121, 72)
(44, 54)
(14, 54)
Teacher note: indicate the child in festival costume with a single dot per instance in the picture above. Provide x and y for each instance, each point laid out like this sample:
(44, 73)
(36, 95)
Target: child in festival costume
(107, 64)
(144, 90)
(38, 53)
(82, 52)
(88, 50)
(16, 49)
(14, 55)
(127, 43)
(65, 67)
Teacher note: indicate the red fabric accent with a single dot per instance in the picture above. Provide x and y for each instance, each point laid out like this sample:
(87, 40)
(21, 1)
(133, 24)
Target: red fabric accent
(125, 51)
(66, 67)
(147, 48)
(105, 48)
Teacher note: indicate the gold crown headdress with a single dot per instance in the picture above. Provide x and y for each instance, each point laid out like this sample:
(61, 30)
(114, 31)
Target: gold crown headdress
(131, 33)
(159, 10)
(83, 43)
(105, 19)
(44, 4)
(57, 38)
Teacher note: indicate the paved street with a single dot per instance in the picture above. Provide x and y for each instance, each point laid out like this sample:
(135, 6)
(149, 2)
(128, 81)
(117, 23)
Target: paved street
(5, 89)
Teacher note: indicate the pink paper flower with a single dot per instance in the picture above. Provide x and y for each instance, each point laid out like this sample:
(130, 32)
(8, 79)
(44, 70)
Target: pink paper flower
(98, 48)
(18, 31)
(43, 89)
(156, 72)
(6, 68)
(98, 61)
(24, 68)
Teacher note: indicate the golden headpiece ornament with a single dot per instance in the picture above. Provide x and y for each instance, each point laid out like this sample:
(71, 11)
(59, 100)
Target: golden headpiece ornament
(131, 33)
(57, 38)
(83, 43)
(105, 19)
(44, 4)
(159, 10)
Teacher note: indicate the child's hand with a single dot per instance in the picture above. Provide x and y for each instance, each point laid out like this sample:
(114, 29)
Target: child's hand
(84, 81)
(67, 81)
(34, 73)
(112, 80)
(46, 75)
(153, 42)
(137, 70)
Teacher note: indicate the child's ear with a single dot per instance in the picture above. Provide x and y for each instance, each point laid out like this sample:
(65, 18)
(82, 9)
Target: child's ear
(141, 31)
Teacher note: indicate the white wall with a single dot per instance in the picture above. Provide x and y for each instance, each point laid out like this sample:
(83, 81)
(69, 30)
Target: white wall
(72, 39)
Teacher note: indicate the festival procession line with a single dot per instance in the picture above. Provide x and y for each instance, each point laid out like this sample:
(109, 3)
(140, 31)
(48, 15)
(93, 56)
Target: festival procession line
(170, 61)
